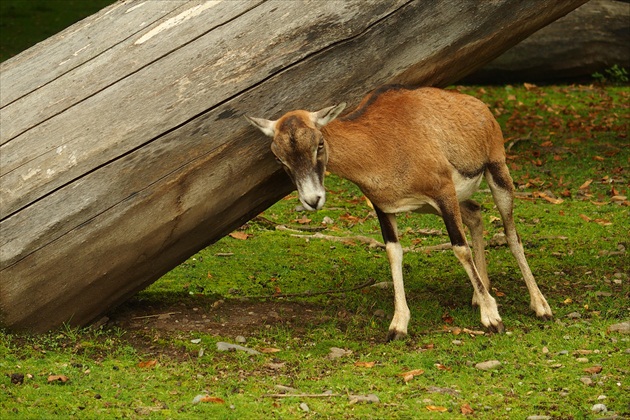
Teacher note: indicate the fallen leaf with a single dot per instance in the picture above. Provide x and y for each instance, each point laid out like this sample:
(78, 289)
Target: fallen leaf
(440, 366)
(585, 218)
(437, 408)
(529, 86)
(603, 222)
(303, 220)
(365, 364)
(269, 350)
(407, 376)
(586, 184)
(593, 369)
(57, 378)
(466, 409)
(207, 398)
(239, 235)
(147, 364)
(598, 158)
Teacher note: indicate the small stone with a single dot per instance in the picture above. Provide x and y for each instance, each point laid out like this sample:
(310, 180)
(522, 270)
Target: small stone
(369, 398)
(622, 328)
(487, 365)
(586, 380)
(457, 342)
(196, 340)
(582, 360)
(240, 339)
(304, 407)
(545, 350)
(536, 417)
(336, 352)
(574, 315)
(222, 346)
(327, 221)
(379, 313)
(563, 352)
(601, 397)
(599, 408)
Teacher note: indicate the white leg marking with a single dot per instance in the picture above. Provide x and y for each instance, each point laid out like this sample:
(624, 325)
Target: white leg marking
(504, 202)
(398, 326)
(490, 317)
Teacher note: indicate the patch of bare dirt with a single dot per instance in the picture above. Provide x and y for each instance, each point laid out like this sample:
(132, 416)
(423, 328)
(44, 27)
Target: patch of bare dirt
(222, 318)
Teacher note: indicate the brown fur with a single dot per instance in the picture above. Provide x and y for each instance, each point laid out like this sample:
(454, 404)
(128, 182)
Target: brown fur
(410, 141)
(422, 150)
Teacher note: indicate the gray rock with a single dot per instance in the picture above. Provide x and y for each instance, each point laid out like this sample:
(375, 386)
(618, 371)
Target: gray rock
(487, 365)
(369, 398)
(586, 380)
(240, 339)
(622, 328)
(599, 408)
(222, 346)
(574, 315)
(537, 417)
(304, 407)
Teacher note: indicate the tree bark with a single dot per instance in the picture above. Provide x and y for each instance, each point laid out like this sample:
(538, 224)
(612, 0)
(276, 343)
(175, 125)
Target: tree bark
(123, 150)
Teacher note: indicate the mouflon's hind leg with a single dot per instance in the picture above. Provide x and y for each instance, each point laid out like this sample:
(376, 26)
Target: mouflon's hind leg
(450, 210)
(471, 216)
(502, 188)
(398, 326)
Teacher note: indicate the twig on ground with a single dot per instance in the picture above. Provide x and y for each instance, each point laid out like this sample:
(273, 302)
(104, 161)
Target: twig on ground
(155, 315)
(517, 140)
(301, 395)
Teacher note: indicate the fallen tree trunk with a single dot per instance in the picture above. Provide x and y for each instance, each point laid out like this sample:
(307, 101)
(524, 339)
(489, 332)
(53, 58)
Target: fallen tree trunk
(592, 38)
(123, 150)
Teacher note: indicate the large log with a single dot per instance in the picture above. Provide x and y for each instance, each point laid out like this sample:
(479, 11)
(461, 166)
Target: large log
(123, 150)
(592, 38)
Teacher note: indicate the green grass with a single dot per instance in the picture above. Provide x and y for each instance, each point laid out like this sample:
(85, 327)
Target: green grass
(560, 137)
(23, 23)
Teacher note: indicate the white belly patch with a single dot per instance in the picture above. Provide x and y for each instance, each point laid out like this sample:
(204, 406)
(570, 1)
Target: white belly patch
(465, 187)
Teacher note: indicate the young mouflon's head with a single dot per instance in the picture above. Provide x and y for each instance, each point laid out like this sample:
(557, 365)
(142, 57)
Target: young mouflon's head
(299, 146)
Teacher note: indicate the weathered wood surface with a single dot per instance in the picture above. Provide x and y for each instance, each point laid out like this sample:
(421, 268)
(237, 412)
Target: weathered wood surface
(123, 150)
(590, 39)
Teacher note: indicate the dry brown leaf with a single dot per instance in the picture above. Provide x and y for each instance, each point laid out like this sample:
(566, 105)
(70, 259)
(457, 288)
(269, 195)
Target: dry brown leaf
(303, 220)
(466, 409)
(147, 363)
(546, 197)
(593, 369)
(585, 218)
(239, 235)
(269, 350)
(598, 158)
(365, 364)
(436, 408)
(440, 366)
(57, 378)
(407, 376)
(586, 184)
(603, 222)
(208, 398)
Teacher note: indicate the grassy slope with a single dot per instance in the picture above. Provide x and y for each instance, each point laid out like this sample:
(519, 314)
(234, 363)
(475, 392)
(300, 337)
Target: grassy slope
(565, 136)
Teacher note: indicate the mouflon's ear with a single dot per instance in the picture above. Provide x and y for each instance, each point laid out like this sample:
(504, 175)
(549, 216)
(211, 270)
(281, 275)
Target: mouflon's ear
(266, 126)
(326, 115)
